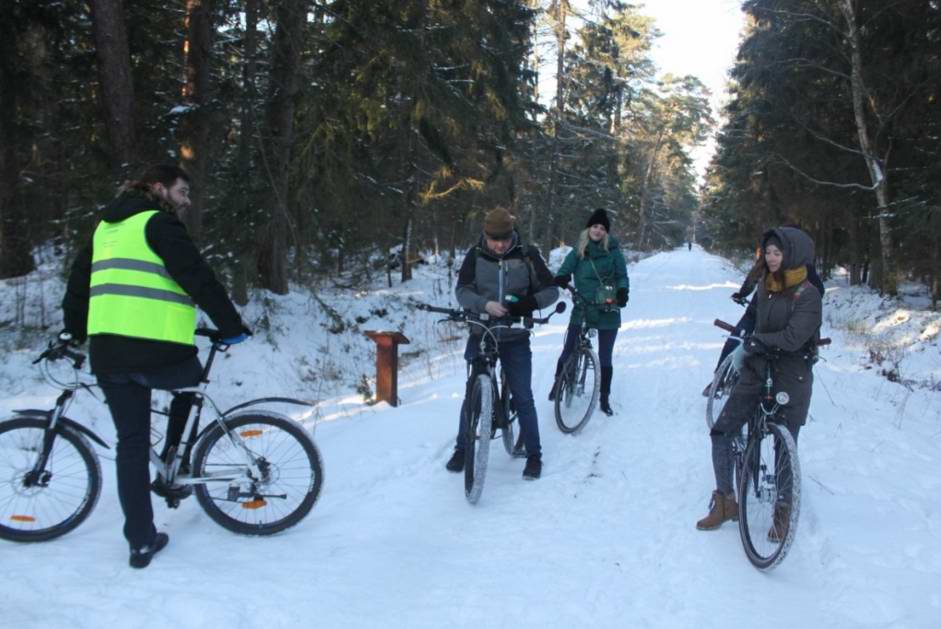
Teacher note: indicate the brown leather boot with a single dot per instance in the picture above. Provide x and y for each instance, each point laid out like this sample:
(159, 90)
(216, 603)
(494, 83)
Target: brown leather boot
(782, 518)
(721, 509)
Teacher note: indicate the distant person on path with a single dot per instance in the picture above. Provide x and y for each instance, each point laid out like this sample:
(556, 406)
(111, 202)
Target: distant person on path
(133, 291)
(600, 275)
(787, 311)
(502, 276)
(689, 245)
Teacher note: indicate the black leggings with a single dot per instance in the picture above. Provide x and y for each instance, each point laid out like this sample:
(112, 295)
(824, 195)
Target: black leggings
(605, 345)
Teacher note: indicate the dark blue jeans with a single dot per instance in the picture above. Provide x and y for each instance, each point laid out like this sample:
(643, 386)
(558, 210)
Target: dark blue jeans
(516, 358)
(605, 346)
(128, 398)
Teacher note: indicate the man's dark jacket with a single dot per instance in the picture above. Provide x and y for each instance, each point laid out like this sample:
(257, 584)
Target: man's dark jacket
(168, 238)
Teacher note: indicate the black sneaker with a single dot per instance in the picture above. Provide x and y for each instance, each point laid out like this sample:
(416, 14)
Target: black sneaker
(456, 462)
(140, 557)
(606, 408)
(533, 469)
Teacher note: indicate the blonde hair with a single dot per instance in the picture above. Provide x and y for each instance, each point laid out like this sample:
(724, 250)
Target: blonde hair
(583, 240)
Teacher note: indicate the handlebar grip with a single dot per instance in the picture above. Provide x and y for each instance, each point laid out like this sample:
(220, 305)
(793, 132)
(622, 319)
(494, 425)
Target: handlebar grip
(824, 341)
(728, 327)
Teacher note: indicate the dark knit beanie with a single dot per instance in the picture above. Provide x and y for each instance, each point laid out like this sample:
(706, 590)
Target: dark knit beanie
(498, 224)
(599, 217)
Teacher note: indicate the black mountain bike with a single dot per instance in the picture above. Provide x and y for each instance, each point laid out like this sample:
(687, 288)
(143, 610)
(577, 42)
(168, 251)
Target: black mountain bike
(488, 405)
(254, 471)
(768, 476)
(578, 384)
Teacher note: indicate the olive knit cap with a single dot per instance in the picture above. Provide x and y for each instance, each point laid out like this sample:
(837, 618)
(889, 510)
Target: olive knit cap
(599, 217)
(498, 224)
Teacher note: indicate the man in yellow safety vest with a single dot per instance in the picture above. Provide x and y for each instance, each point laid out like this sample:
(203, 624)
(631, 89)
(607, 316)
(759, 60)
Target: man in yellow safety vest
(133, 292)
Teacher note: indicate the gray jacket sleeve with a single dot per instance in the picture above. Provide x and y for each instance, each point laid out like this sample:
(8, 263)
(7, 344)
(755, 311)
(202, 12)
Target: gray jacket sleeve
(545, 292)
(466, 291)
(802, 325)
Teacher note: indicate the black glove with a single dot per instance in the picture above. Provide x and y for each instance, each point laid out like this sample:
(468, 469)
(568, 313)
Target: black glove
(523, 307)
(622, 297)
(754, 347)
(738, 298)
(562, 281)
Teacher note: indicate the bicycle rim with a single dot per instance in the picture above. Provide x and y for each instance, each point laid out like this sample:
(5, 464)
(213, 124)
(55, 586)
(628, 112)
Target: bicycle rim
(577, 392)
(723, 381)
(769, 498)
(291, 473)
(70, 486)
(477, 438)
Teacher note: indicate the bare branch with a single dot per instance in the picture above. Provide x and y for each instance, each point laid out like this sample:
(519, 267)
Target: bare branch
(834, 184)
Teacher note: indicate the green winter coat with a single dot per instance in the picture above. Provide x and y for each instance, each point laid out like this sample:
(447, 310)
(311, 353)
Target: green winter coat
(610, 267)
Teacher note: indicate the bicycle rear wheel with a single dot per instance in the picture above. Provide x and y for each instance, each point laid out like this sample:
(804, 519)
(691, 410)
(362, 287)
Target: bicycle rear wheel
(577, 391)
(724, 380)
(769, 497)
(509, 416)
(477, 426)
(37, 505)
(291, 473)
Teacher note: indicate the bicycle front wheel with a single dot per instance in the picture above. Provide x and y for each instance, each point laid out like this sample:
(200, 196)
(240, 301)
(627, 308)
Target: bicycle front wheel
(723, 381)
(287, 484)
(477, 425)
(577, 390)
(769, 497)
(39, 503)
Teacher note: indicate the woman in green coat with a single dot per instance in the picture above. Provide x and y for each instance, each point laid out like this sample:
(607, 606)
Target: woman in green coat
(600, 275)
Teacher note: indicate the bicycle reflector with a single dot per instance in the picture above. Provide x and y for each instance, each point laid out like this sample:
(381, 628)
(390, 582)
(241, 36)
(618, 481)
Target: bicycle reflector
(248, 434)
(258, 503)
(782, 398)
(23, 518)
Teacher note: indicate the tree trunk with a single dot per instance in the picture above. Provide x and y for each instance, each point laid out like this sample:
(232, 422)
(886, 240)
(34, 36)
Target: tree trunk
(245, 269)
(15, 258)
(645, 189)
(117, 85)
(197, 51)
(878, 172)
(560, 35)
(279, 119)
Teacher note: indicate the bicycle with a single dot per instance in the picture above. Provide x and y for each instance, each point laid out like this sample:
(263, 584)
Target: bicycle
(254, 471)
(767, 474)
(578, 386)
(726, 374)
(481, 418)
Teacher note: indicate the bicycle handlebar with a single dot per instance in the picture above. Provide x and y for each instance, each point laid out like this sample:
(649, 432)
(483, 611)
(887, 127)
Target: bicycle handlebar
(461, 316)
(728, 327)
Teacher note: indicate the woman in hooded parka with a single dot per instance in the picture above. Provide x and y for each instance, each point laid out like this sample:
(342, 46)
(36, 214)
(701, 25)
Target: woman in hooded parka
(787, 310)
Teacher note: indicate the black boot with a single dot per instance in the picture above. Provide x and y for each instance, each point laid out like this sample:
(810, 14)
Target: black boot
(456, 462)
(606, 374)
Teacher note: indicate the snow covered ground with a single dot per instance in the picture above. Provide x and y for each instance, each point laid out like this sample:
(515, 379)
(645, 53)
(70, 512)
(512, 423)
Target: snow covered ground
(605, 539)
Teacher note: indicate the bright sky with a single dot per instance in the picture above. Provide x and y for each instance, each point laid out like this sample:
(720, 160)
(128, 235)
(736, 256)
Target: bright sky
(700, 37)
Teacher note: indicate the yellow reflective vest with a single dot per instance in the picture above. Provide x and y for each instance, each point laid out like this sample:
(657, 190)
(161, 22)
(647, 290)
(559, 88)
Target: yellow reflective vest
(132, 294)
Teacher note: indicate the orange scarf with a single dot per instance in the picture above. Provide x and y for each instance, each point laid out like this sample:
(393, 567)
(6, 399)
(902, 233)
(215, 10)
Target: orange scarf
(792, 277)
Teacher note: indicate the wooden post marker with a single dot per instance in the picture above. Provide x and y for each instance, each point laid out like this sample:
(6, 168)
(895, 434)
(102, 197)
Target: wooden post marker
(387, 364)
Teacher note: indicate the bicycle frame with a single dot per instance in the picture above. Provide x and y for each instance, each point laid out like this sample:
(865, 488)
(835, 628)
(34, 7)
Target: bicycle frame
(167, 469)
